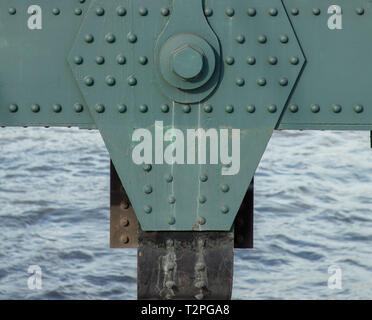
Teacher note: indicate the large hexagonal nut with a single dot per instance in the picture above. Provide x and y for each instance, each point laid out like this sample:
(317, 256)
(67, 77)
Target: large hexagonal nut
(187, 62)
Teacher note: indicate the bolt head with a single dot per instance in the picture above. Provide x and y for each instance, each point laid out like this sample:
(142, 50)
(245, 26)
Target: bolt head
(187, 62)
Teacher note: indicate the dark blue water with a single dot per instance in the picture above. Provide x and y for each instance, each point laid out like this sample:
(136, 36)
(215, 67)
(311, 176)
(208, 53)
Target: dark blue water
(313, 209)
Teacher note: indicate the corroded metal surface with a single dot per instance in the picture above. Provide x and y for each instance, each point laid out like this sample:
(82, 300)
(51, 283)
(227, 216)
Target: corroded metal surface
(185, 265)
(123, 221)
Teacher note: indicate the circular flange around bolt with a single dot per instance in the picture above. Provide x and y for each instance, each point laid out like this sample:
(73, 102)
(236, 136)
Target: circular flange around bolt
(187, 61)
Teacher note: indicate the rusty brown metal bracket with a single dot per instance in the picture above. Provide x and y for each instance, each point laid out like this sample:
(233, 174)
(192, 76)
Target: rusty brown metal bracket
(123, 221)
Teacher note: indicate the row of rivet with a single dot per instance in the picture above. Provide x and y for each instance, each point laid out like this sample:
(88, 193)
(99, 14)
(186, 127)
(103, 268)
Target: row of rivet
(251, 60)
(120, 59)
(261, 39)
(121, 11)
(132, 81)
(316, 11)
(57, 108)
(142, 11)
(336, 108)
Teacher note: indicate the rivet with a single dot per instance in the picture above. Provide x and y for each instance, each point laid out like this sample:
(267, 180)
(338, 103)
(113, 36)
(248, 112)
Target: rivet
(125, 239)
(336, 108)
(56, 11)
(186, 108)
(78, 11)
(283, 82)
(12, 11)
(132, 38)
(124, 205)
(89, 81)
(78, 107)
(147, 167)
(202, 221)
(293, 108)
(100, 60)
(171, 221)
(315, 108)
(132, 81)
(202, 199)
(230, 60)
(251, 108)
(261, 82)
(164, 12)
(143, 108)
(251, 60)
(147, 189)
(143, 60)
(273, 12)
(171, 199)
(13, 108)
(110, 81)
(120, 59)
(168, 178)
(225, 209)
(240, 82)
(208, 108)
(78, 60)
(203, 177)
(100, 108)
(295, 12)
(208, 12)
(125, 222)
(359, 11)
(229, 108)
(273, 60)
(122, 108)
(100, 11)
(284, 39)
(147, 209)
(272, 108)
(316, 11)
(251, 12)
(262, 38)
(89, 38)
(143, 11)
(164, 108)
(121, 11)
(225, 188)
(110, 38)
(229, 11)
(294, 60)
(57, 108)
(358, 108)
(35, 108)
(240, 39)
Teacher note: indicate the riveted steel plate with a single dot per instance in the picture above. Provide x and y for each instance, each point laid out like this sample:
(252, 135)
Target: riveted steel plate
(257, 43)
(334, 90)
(36, 84)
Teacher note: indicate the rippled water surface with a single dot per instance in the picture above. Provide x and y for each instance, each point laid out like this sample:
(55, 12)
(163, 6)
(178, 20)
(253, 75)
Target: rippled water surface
(313, 196)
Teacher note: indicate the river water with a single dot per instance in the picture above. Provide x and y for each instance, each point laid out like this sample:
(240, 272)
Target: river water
(313, 210)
